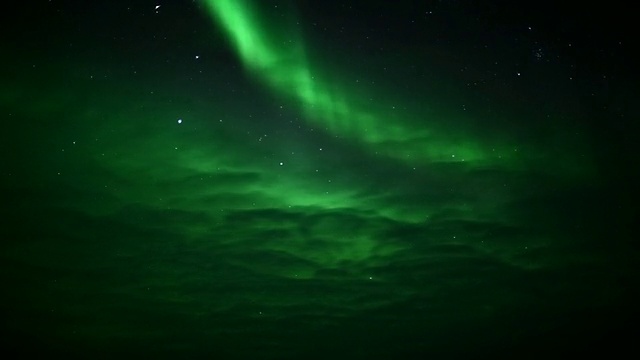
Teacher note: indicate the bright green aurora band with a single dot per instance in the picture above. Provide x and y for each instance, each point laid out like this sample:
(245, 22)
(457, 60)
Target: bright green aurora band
(277, 56)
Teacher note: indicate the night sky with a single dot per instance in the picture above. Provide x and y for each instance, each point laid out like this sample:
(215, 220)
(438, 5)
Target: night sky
(236, 179)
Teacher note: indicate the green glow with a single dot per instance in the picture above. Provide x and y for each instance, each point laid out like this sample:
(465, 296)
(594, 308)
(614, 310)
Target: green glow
(278, 58)
(306, 203)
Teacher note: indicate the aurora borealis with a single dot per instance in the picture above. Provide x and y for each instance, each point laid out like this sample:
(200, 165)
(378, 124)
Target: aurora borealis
(239, 179)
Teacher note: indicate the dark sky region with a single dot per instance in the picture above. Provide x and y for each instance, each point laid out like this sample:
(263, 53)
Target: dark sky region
(235, 179)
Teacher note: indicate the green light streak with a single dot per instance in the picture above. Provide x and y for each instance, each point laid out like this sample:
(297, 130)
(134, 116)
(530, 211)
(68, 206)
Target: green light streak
(277, 57)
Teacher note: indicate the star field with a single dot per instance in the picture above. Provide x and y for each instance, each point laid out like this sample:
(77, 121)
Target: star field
(243, 179)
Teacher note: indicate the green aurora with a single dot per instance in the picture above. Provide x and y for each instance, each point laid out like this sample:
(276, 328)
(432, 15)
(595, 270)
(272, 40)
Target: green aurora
(289, 199)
